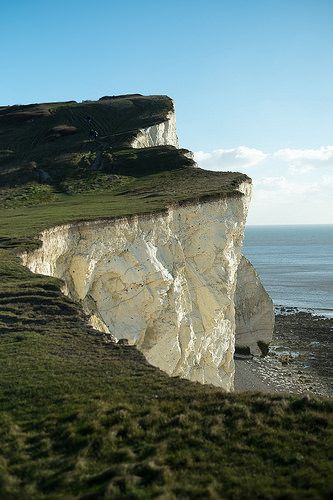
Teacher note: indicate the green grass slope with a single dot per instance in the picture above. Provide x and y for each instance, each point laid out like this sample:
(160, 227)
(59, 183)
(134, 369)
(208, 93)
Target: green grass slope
(81, 417)
(54, 137)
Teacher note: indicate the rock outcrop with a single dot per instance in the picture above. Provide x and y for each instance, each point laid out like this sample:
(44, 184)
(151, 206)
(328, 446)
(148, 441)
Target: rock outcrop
(161, 134)
(254, 312)
(165, 282)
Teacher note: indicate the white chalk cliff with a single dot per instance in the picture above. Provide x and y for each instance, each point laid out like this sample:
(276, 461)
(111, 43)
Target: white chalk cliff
(254, 311)
(164, 281)
(161, 134)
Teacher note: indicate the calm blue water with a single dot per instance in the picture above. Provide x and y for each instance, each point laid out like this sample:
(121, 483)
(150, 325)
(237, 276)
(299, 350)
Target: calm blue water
(295, 264)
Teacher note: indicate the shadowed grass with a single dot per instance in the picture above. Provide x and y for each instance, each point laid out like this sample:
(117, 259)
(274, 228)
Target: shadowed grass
(80, 415)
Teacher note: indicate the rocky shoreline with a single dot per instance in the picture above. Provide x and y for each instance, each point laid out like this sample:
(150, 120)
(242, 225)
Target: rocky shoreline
(299, 360)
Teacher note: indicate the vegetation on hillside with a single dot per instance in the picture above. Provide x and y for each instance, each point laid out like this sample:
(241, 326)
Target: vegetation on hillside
(54, 138)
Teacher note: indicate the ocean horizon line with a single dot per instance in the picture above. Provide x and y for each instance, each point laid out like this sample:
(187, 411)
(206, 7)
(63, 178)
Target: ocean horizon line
(287, 225)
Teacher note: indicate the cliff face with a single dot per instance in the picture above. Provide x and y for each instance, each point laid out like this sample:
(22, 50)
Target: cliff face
(254, 311)
(161, 134)
(165, 282)
(254, 307)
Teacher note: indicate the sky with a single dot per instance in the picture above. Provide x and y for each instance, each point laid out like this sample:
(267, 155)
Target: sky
(251, 79)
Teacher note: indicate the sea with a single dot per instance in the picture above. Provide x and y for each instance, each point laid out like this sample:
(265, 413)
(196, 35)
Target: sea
(295, 264)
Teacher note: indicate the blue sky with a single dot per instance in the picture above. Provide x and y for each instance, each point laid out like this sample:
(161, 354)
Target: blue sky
(244, 73)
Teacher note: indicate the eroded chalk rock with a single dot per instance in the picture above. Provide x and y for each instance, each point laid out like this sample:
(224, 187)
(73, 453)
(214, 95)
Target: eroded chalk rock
(254, 311)
(164, 281)
(161, 134)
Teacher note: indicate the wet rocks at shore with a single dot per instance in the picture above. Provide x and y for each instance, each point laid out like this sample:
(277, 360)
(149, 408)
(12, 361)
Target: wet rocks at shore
(300, 356)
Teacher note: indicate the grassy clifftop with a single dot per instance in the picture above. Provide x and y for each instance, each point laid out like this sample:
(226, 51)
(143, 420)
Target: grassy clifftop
(51, 171)
(81, 417)
(48, 160)
(55, 138)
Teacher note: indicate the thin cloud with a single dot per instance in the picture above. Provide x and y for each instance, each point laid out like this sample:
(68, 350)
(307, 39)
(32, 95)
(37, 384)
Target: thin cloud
(304, 160)
(290, 185)
(286, 186)
(229, 159)
(322, 154)
(298, 160)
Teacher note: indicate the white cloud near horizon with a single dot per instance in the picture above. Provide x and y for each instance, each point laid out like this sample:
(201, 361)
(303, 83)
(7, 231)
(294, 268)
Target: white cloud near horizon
(323, 154)
(221, 159)
(285, 185)
(291, 186)
(305, 160)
